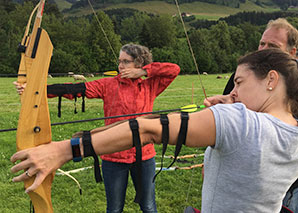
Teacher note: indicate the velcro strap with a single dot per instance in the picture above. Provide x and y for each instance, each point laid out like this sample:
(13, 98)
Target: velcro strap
(89, 151)
(164, 138)
(59, 105)
(75, 105)
(134, 126)
(181, 136)
(59, 90)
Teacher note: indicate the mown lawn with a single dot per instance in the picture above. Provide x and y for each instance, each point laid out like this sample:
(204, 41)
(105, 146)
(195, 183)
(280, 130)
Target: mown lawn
(174, 189)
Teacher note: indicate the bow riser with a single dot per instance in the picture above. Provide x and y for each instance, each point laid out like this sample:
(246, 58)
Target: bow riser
(34, 121)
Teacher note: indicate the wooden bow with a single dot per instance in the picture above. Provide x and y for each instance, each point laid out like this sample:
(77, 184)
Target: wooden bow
(34, 127)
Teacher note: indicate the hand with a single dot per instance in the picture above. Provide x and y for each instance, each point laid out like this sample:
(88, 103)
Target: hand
(132, 73)
(40, 161)
(218, 99)
(20, 87)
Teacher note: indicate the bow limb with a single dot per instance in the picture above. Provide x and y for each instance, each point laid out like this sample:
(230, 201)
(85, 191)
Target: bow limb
(34, 126)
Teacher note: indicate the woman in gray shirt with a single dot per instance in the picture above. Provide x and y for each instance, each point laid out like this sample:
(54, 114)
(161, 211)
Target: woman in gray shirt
(252, 143)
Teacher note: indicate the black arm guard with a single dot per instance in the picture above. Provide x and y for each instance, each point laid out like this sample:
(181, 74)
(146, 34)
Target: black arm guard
(89, 151)
(165, 139)
(63, 89)
(134, 126)
(181, 136)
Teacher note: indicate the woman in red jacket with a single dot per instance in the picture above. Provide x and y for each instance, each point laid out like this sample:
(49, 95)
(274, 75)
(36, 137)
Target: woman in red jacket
(126, 93)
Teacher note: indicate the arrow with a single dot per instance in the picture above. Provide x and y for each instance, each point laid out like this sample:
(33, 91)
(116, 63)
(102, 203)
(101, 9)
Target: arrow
(187, 108)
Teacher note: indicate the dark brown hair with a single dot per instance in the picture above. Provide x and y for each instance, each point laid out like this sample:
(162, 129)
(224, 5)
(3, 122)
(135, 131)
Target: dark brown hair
(262, 61)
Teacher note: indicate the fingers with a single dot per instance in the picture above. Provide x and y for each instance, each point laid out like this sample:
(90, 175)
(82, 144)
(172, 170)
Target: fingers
(24, 176)
(218, 99)
(227, 99)
(40, 161)
(28, 174)
(207, 103)
(39, 178)
(23, 165)
(37, 181)
(20, 155)
(210, 101)
(132, 73)
(126, 73)
(20, 87)
(30, 170)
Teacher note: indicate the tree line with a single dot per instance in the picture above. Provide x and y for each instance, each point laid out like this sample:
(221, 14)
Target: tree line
(81, 45)
(252, 17)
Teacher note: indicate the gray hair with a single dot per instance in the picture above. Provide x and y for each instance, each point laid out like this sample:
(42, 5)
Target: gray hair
(141, 54)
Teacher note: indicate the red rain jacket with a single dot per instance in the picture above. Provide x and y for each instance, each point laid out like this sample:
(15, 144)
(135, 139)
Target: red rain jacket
(127, 96)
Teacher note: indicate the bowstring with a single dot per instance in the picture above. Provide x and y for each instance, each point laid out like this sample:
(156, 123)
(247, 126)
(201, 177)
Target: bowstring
(110, 45)
(200, 79)
(103, 31)
(190, 48)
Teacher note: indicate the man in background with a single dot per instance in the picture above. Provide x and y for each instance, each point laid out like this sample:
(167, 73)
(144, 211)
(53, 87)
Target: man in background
(280, 34)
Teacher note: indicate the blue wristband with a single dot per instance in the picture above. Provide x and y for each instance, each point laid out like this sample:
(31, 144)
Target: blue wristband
(76, 151)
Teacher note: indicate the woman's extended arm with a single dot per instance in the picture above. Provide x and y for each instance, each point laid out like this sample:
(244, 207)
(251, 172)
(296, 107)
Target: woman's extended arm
(44, 159)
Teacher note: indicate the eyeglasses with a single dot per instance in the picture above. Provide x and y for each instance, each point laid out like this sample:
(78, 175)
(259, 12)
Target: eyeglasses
(124, 61)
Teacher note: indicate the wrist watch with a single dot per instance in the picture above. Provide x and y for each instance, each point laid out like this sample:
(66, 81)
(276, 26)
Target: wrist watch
(76, 151)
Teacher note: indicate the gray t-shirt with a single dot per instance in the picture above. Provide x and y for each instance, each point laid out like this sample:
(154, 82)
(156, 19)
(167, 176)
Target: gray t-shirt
(253, 163)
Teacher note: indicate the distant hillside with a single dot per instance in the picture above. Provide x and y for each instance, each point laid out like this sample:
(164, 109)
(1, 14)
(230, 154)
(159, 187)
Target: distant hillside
(283, 4)
(64, 4)
(199, 9)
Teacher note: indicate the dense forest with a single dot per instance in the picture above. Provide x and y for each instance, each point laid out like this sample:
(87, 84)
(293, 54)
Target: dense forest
(81, 46)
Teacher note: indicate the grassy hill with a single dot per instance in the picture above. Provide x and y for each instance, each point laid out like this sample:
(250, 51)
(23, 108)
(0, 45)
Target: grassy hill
(63, 4)
(199, 9)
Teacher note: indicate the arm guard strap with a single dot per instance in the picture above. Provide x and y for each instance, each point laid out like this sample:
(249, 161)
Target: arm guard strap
(76, 90)
(134, 126)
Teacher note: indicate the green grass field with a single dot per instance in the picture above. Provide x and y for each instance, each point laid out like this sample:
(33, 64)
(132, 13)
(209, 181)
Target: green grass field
(174, 189)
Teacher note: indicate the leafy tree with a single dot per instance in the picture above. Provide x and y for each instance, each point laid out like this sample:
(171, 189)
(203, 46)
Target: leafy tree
(7, 6)
(293, 21)
(158, 31)
(178, 54)
(131, 27)
(183, 57)
(11, 32)
(99, 46)
(202, 49)
(221, 47)
(62, 61)
(238, 44)
(221, 36)
(252, 36)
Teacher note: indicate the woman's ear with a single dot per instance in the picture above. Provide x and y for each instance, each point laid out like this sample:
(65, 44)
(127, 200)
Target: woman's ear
(272, 79)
